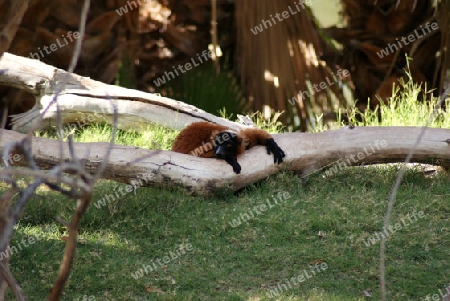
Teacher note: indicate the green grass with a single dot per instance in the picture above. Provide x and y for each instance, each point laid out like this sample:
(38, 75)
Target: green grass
(327, 219)
(154, 137)
(404, 109)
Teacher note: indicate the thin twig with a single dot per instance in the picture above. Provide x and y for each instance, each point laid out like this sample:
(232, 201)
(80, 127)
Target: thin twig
(72, 65)
(70, 248)
(84, 201)
(6, 274)
(50, 176)
(102, 166)
(393, 193)
(14, 213)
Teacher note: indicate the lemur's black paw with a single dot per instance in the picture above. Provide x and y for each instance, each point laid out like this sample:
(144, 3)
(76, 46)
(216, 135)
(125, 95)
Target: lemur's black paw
(234, 163)
(278, 153)
(237, 168)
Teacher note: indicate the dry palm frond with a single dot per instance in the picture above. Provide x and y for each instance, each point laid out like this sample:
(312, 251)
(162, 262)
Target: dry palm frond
(443, 19)
(44, 30)
(276, 64)
(381, 27)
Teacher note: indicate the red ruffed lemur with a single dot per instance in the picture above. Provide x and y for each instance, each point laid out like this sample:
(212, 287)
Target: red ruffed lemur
(208, 140)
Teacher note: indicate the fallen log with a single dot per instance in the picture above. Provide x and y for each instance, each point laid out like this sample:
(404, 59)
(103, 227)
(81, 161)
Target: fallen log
(84, 100)
(305, 152)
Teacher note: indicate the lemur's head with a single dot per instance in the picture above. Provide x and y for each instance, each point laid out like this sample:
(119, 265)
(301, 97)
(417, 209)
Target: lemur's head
(226, 144)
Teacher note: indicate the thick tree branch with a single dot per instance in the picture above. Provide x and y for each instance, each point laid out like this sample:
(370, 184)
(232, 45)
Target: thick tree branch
(304, 152)
(84, 99)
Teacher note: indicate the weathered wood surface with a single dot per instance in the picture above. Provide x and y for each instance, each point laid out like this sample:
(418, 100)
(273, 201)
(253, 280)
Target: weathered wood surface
(304, 152)
(84, 99)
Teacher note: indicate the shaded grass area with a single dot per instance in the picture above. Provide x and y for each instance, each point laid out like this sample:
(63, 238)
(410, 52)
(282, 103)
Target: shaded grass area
(239, 252)
(327, 220)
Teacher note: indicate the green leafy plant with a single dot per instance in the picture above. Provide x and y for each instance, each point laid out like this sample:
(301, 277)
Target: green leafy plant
(207, 89)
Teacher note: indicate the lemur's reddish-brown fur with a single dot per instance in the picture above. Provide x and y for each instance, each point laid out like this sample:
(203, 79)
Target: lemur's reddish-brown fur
(198, 139)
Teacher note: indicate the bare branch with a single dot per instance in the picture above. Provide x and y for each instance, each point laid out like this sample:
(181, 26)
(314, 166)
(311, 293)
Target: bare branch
(6, 274)
(8, 226)
(70, 248)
